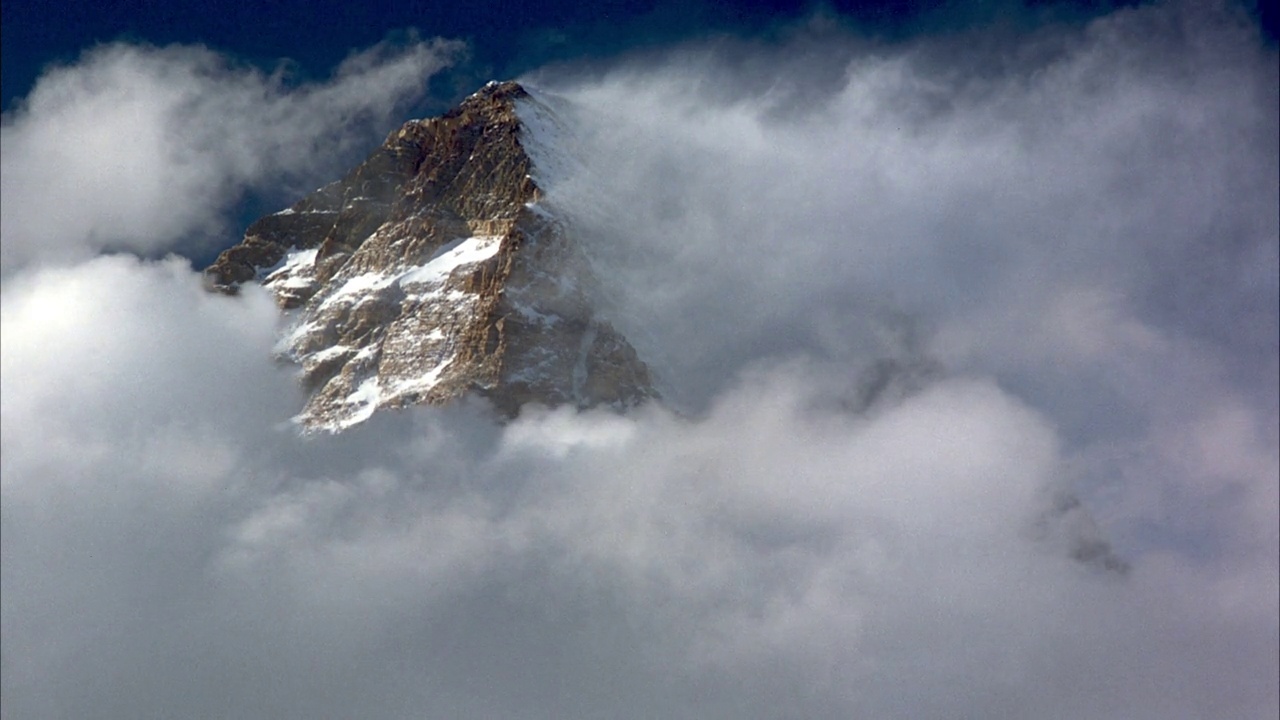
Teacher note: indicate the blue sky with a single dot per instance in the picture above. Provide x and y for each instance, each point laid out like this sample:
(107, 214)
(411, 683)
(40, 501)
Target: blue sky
(506, 38)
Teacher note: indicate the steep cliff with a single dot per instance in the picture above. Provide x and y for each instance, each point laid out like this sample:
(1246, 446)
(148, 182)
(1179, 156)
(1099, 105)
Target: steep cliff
(433, 270)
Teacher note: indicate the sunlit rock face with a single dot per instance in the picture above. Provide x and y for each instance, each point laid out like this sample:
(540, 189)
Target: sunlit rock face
(434, 270)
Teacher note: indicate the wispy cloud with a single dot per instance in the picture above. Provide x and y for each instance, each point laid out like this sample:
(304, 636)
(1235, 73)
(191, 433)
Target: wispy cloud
(144, 148)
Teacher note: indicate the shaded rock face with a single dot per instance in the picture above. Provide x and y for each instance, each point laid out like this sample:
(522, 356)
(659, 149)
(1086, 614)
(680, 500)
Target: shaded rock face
(432, 270)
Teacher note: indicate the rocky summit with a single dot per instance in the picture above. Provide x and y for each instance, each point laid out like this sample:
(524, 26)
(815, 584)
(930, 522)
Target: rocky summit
(436, 269)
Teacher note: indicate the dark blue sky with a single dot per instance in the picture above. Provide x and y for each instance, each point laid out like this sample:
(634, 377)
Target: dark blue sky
(506, 37)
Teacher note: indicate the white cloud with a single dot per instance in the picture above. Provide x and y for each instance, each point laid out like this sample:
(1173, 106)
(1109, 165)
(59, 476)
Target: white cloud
(982, 196)
(171, 548)
(145, 148)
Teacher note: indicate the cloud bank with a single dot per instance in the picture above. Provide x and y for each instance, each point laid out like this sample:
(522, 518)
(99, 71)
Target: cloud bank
(146, 149)
(1058, 259)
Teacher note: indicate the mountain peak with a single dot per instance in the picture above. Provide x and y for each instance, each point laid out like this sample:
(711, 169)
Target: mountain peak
(433, 270)
(502, 90)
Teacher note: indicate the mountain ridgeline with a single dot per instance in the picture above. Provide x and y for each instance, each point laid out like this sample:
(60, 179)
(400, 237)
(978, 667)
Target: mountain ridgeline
(435, 270)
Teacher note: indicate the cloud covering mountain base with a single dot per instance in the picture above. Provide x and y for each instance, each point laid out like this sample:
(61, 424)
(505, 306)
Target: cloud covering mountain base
(1077, 248)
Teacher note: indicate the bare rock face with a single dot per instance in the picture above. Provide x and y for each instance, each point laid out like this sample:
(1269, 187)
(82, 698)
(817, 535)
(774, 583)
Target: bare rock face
(432, 270)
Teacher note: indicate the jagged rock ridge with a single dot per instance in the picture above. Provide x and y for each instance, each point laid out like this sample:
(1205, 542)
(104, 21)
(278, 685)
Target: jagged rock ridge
(434, 269)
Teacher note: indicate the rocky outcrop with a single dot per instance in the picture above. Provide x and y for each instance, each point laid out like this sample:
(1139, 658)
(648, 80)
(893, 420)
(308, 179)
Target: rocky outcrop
(433, 270)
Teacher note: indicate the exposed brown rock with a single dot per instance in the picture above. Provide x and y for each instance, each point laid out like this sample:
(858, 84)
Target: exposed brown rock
(429, 271)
